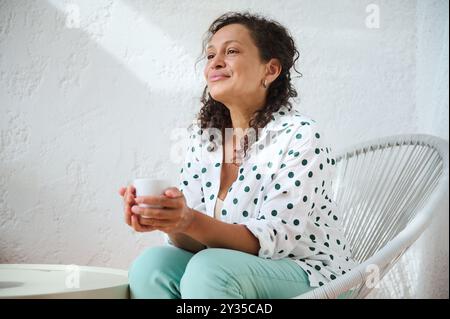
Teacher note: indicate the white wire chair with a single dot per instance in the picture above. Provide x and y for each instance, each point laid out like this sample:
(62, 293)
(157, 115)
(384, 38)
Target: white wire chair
(388, 190)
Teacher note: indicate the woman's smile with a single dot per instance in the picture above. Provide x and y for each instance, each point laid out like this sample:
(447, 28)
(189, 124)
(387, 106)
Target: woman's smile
(217, 78)
(217, 75)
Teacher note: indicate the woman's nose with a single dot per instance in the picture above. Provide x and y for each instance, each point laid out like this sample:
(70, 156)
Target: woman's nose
(217, 61)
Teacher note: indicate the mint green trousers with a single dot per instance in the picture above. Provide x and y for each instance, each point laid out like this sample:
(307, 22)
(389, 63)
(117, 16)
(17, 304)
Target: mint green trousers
(173, 273)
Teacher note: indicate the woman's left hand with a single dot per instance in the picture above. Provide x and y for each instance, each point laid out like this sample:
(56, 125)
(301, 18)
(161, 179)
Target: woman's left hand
(173, 215)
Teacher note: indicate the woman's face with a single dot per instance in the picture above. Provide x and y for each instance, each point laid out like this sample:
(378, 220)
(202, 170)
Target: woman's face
(234, 71)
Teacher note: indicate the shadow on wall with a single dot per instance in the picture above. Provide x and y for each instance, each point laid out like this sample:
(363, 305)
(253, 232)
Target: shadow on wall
(186, 14)
(85, 76)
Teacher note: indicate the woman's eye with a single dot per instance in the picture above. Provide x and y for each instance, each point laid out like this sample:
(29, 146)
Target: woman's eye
(210, 56)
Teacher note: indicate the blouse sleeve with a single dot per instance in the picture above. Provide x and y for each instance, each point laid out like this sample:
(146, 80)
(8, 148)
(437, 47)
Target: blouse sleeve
(290, 195)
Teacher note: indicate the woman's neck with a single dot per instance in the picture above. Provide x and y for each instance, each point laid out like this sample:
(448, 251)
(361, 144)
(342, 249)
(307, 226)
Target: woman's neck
(240, 118)
(242, 114)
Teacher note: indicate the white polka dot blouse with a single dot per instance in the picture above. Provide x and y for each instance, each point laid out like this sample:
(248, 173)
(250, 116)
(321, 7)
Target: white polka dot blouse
(283, 193)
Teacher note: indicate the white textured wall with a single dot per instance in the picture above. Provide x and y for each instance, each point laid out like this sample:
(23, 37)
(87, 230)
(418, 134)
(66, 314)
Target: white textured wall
(85, 107)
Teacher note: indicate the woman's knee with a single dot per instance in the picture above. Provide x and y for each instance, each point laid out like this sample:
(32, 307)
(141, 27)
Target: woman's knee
(152, 269)
(207, 276)
(150, 259)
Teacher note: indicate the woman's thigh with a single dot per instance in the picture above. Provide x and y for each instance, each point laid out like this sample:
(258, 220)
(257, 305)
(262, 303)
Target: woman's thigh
(225, 273)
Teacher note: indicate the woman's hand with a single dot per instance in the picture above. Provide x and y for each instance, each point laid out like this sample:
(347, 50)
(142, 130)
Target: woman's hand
(128, 194)
(173, 215)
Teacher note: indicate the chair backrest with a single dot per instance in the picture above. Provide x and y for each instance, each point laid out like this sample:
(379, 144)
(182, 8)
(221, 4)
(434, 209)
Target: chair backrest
(380, 187)
(388, 190)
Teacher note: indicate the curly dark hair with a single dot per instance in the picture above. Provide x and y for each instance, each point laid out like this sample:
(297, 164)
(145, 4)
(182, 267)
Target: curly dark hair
(273, 41)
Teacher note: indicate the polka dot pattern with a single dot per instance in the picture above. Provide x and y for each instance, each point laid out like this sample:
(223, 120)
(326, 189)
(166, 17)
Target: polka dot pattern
(284, 201)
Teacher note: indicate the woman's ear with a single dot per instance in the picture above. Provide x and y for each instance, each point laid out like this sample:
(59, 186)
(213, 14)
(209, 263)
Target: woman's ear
(273, 70)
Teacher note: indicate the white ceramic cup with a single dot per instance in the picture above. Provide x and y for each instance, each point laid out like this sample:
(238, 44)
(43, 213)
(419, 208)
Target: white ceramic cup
(150, 186)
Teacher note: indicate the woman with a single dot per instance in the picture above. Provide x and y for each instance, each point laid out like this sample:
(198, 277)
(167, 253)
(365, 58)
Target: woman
(257, 221)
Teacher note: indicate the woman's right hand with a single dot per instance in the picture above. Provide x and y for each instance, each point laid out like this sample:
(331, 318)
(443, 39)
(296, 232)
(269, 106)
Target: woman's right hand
(129, 195)
(129, 200)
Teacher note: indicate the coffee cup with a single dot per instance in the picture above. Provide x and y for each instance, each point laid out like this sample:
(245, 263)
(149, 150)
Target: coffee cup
(150, 187)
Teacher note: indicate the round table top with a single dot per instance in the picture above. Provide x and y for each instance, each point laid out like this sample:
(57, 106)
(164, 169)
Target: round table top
(62, 281)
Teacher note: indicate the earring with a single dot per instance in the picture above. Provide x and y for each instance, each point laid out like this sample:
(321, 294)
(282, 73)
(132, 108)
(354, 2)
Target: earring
(265, 84)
